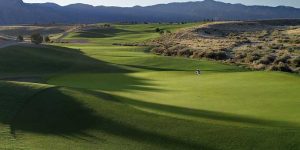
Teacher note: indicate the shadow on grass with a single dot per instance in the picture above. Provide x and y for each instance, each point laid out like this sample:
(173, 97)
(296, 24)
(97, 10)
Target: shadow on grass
(25, 62)
(106, 82)
(226, 70)
(50, 60)
(102, 33)
(54, 111)
(155, 68)
(192, 70)
(69, 113)
(204, 114)
(151, 68)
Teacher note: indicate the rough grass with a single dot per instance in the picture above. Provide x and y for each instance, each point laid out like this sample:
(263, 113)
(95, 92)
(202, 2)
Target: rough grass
(101, 96)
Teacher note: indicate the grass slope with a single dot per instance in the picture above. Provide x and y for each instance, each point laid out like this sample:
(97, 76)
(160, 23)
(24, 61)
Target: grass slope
(101, 96)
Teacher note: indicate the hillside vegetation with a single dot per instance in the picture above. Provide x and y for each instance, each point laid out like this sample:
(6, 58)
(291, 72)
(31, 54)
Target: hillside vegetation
(261, 45)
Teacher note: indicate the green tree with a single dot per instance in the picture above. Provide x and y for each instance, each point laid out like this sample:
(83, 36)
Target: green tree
(47, 39)
(107, 25)
(162, 32)
(157, 30)
(20, 38)
(36, 38)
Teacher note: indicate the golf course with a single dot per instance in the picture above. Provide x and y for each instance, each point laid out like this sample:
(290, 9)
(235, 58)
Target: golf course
(91, 93)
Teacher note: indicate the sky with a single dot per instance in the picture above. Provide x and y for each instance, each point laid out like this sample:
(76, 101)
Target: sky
(128, 3)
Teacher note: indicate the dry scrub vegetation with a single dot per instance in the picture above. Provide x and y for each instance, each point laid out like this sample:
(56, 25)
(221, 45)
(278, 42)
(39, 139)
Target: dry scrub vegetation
(260, 45)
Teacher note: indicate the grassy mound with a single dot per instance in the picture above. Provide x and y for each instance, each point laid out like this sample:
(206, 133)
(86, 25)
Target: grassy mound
(23, 61)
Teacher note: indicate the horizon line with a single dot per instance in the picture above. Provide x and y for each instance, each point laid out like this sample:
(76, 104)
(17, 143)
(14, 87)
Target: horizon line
(159, 4)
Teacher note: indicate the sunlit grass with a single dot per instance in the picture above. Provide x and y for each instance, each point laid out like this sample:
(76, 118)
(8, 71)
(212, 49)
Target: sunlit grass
(99, 96)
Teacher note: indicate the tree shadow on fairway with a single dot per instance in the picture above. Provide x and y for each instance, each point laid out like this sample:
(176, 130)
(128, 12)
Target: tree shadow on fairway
(102, 33)
(50, 60)
(53, 112)
(202, 114)
(23, 62)
(105, 81)
(156, 68)
(71, 113)
(226, 70)
(58, 111)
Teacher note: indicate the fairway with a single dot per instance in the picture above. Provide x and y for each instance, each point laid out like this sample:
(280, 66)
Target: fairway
(96, 95)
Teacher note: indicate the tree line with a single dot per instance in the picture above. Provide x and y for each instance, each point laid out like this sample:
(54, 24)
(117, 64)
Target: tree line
(36, 38)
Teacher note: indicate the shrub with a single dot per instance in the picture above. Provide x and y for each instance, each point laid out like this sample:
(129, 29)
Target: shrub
(297, 70)
(267, 59)
(185, 52)
(177, 47)
(207, 32)
(36, 38)
(259, 66)
(252, 57)
(240, 55)
(231, 35)
(276, 46)
(158, 50)
(169, 53)
(283, 59)
(157, 30)
(20, 38)
(219, 55)
(281, 67)
(259, 47)
(200, 54)
(107, 25)
(47, 39)
(291, 49)
(161, 32)
(245, 41)
(296, 61)
(297, 41)
(284, 41)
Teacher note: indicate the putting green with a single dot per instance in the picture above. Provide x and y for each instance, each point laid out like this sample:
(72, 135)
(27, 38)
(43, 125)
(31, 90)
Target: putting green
(264, 95)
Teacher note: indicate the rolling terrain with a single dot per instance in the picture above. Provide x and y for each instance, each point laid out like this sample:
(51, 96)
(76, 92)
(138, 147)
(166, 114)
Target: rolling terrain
(99, 95)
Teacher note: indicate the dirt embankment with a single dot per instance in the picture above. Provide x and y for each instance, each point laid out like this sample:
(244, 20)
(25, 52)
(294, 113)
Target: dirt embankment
(261, 45)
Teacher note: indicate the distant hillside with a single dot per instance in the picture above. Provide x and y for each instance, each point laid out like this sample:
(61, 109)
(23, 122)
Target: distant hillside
(18, 12)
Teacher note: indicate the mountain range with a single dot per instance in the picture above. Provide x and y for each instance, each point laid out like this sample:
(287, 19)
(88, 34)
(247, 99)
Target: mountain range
(18, 12)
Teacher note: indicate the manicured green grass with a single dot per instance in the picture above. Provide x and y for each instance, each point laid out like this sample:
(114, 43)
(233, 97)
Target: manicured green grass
(125, 33)
(99, 96)
(221, 92)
